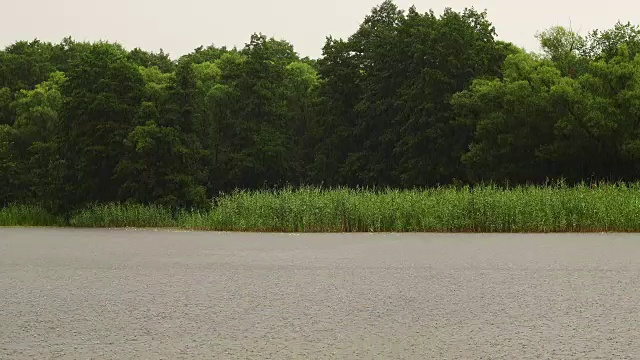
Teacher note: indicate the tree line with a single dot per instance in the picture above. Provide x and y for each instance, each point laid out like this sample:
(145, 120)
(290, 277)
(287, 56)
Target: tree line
(409, 100)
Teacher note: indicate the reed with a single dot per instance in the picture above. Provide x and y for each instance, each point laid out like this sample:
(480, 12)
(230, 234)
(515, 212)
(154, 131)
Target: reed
(486, 208)
(123, 216)
(28, 215)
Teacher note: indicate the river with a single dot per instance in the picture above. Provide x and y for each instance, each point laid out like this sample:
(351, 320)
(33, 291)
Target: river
(125, 294)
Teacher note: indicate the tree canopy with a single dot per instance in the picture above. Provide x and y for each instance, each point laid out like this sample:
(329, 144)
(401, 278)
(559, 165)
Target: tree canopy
(408, 100)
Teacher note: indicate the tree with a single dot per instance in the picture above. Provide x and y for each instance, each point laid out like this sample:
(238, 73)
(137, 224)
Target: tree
(259, 149)
(38, 142)
(604, 45)
(301, 84)
(163, 159)
(205, 54)
(389, 120)
(513, 120)
(102, 94)
(159, 60)
(339, 91)
(25, 64)
(8, 166)
(566, 49)
(7, 116)
(156, 169)
(598, 127)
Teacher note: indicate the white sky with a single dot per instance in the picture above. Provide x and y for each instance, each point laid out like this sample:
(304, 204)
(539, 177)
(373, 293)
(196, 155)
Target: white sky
(180, 26)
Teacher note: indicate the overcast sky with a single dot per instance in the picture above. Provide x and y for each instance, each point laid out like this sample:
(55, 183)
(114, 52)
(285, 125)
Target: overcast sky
(180, 26)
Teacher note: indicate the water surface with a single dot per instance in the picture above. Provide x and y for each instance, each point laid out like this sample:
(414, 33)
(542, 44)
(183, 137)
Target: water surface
(124, 294)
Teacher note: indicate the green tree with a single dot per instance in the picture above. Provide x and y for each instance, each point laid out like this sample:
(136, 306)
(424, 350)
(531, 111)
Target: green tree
(259, 149)
(566, 49)
(163, 159)
(514, 121)
(102, 94)
(598, 127)
(461, 47)
(387, 92)
(156, 169)
(203, 54)
(339, 92)
(301, 84)
(604, 45)
(38, 142)
(9, 169)
(25, 64)
(7, 116)
(159, 60)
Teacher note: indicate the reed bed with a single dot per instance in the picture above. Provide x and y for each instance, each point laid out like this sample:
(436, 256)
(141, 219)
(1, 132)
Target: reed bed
(123, 216)
(28, 215)
(487, 208)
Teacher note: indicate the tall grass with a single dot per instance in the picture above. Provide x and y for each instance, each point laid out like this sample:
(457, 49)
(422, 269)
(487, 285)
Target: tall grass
(123, 215)
(487, 208)
(28, 215)
(605, 207)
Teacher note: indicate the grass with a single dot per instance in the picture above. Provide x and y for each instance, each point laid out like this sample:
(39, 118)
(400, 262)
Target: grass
(28, 215)
(122, 216)
(601, 208)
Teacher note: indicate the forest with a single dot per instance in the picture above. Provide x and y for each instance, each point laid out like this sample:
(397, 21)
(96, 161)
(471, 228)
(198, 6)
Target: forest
(410, 100)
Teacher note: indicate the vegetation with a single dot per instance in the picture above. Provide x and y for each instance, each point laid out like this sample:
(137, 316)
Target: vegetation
(485, 208)
(28, 215)
(123, 216)
(409, 101)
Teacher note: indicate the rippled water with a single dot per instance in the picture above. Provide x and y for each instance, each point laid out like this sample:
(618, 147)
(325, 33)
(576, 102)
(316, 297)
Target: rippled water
(124, 294)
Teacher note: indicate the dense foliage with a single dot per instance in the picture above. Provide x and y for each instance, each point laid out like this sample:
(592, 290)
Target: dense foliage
(409, 100)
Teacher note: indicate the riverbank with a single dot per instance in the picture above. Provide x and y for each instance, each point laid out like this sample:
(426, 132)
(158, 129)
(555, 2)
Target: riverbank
(602, 208)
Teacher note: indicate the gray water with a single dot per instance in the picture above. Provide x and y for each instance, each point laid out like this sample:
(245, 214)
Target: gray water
(125, 294)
